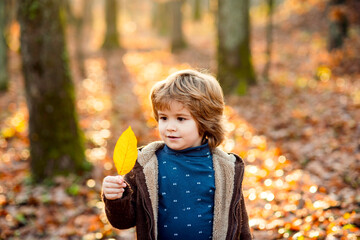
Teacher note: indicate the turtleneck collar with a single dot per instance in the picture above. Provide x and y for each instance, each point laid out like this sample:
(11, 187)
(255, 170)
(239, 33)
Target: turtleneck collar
(199, 151)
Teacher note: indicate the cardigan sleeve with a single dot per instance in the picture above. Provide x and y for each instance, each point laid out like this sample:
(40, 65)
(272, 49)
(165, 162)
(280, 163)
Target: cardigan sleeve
(245, 228)
(121, 213)
(245, 232)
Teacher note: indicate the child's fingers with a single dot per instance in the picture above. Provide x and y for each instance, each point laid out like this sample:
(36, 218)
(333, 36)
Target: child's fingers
(113, 193)
(113, 196)
(121, 180)
(115, 179)
(112, 185)
(113, 190)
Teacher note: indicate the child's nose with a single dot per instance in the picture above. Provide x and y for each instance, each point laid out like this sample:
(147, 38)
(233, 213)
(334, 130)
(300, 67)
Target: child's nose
(171, 126)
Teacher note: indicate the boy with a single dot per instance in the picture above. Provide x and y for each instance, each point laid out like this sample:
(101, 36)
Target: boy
(182, 187)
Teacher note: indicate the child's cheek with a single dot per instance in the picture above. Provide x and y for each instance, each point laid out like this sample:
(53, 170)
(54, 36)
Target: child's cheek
(161, 131)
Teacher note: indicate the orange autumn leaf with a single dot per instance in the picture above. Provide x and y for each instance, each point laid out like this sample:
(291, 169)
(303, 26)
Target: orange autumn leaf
(125, 152)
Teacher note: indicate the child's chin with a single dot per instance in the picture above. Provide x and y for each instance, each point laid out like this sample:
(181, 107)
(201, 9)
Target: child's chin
(174, 146)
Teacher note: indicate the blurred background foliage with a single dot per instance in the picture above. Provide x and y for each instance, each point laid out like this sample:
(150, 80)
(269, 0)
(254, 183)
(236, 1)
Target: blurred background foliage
(74, 74)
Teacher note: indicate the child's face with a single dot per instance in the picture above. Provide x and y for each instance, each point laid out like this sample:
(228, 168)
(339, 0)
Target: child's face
(177, 127)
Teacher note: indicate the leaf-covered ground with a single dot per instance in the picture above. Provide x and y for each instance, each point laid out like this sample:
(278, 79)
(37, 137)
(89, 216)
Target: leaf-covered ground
(298, 134)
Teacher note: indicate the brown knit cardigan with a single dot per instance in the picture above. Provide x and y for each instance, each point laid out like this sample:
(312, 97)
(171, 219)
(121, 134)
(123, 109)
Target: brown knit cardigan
(139, 204)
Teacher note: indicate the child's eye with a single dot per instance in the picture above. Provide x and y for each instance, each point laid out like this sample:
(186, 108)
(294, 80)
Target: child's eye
(181, 119)
(163, 118)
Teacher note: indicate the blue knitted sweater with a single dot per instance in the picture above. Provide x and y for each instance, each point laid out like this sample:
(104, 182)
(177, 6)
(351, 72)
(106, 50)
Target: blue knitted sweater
(186, 193)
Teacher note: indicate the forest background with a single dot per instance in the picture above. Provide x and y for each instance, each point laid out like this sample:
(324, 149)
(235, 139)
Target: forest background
(293, 111)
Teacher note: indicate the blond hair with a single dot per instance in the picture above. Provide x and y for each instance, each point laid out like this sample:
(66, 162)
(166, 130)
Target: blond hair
(201, 94)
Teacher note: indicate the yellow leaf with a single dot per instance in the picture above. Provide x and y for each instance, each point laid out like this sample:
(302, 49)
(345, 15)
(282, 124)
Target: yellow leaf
(8, 132)
(125, 152)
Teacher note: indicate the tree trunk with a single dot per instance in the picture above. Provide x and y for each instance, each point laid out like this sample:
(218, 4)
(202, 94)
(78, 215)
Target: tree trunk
(111, 15)
(88, 13)
(338, 24)
(197, 10)
(84, 31)
(56, 142)
(177, 36)
(269, 39)
(81, 25)
(3, 49)
(71, 19)
(235, 69)
(161, 17)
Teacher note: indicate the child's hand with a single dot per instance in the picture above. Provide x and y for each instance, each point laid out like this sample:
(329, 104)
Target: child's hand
(113, 187)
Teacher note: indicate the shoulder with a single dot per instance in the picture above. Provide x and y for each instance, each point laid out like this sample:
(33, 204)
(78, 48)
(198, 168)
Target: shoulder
(238, 159)
(147, 154)
(230, 157)
(153, 146)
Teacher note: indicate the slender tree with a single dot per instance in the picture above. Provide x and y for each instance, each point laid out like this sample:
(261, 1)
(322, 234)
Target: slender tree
(88, 12)
(161, 17)
(111, 16)
(235, 69)
(269, 38)
(3, 49)
(338, 24)
(82, 22)
(177, 35)
(197, 8)
(56, 142)
(70, 17)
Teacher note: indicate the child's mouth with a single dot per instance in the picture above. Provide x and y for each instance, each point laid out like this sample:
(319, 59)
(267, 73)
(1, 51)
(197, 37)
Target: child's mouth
(172, 137)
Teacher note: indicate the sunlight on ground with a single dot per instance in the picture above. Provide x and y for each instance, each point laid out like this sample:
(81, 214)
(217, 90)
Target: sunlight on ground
(95, 106)
(279, 197)
(95, 102)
